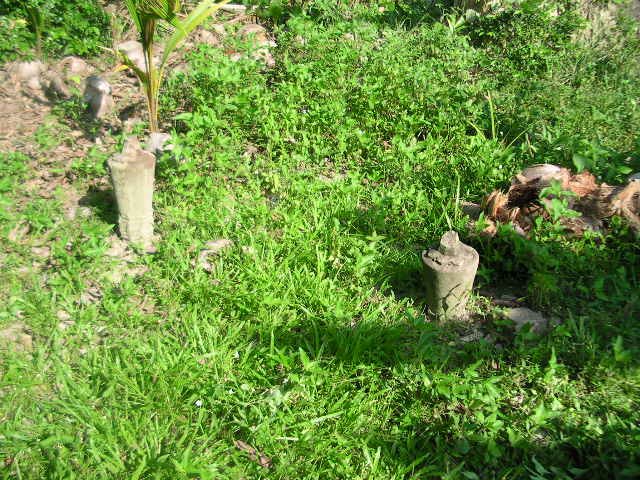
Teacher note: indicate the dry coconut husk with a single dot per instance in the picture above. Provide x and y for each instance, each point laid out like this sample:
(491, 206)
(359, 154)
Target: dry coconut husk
(608, 201)
(521, 204)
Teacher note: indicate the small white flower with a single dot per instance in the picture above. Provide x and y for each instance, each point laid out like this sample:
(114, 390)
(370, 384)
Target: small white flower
(198, 403)
(236, 355)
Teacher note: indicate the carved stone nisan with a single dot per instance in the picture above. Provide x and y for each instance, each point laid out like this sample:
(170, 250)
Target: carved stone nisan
(449, 273)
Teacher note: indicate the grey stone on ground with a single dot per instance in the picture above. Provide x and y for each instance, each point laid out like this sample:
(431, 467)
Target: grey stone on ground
(66, 321)
(545, 172)
(255, 32)
(212, 248)
(97, 95)
(76, 66)
(208, 38)
(16, 337)
(72, 67)
(57, 87)
(258, 36)
(473, 210)
(522, 316)
(91, 294)
(28, 74)
(41, 252)
(233, 8)
(218, 29)
(134, 52)
(157, 143)
(264, 55)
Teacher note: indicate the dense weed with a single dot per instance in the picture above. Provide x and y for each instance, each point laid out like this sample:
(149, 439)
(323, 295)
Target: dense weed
(69, 28)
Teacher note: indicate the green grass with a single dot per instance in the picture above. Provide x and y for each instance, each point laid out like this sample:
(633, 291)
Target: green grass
(79, 27)
(308, 338)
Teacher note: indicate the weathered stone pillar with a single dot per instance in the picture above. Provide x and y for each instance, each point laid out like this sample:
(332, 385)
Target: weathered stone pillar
(97, 94)
(132, 173)
(449, 274)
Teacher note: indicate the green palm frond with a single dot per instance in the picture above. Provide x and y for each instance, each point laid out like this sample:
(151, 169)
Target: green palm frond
(157, 9)
(197, 16)
(150, 15)
(135, 14)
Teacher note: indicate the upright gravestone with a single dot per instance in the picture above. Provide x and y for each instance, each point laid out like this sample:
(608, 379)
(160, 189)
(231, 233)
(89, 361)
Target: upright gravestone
(449, 273)
(132, 173)
(97, 94)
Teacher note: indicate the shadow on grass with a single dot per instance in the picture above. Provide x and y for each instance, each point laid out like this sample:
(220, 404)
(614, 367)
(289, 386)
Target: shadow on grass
(559, 450)
(590, 286)
(562, 445)
(103, 203)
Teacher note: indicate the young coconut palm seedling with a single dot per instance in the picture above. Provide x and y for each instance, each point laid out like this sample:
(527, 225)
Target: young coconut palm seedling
(132, 172)
(147, 16)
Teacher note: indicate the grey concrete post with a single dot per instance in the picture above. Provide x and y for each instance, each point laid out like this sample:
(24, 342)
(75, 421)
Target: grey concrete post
(132, 173)
(97, 94)
(449, 273)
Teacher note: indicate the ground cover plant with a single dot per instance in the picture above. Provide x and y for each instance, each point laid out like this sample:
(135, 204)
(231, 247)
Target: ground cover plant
(300, 348)
(53, 27)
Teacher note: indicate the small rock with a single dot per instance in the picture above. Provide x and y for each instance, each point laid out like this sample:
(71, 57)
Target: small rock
(254, 32)
(134, 52)
(16, 337)
(57, 87)
(83, 212)
(522, 316)
(473, 210)
(119, 249)
(75, 65)
(19, 231)
(258, 36)
(264, 55)
(123, 270)
(27, 71)
(65, 320)
(544, 172)
(34, 83)
(41, 252)
(212, 248)
(332, 177)
(90, 295)
(208, 38)
(474, 336)
(250, 151)
(634, 178)
(218, 29)
(156, 143)
(233, 8)
(98, 95)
